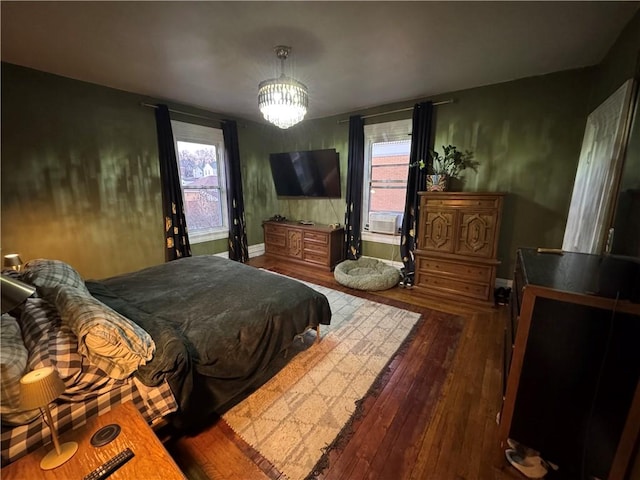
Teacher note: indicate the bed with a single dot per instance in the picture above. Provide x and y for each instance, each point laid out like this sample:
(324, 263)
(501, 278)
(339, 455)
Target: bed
(209, 331)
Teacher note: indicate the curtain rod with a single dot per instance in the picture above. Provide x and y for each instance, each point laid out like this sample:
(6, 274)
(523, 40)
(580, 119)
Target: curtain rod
(184, 113)
(442, 102)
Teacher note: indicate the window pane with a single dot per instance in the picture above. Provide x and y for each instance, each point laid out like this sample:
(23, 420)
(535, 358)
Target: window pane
(200, 181)
(389, 170)
(196, 161)
(203, 209)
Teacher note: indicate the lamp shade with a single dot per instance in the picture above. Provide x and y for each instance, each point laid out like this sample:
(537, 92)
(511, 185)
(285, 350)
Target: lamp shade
(40, 387)
(13, 292)
(12, 260)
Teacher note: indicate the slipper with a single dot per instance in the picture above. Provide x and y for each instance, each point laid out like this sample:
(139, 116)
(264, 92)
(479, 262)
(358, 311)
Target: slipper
(525, 451)
(530, 467)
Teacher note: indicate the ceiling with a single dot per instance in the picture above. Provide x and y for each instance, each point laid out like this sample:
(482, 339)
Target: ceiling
(351, 55)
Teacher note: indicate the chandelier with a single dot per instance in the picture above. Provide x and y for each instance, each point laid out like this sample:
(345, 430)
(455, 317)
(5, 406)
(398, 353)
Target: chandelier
(283, 101)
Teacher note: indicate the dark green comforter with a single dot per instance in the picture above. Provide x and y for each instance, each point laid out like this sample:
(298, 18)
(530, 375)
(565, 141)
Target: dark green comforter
(217, 326)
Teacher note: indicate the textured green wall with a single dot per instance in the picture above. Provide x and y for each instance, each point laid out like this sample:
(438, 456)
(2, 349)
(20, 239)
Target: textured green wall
(87, 191)
(80, 177)
(526, 135)
(260, 202)
(80, 174)
(314, 135)
(621, 63)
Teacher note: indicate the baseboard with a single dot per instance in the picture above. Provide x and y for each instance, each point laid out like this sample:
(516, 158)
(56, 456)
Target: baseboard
(253, 250)
(256, 250)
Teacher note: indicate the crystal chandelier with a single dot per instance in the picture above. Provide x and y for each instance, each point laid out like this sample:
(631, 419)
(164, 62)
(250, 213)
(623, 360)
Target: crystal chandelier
(283, 101)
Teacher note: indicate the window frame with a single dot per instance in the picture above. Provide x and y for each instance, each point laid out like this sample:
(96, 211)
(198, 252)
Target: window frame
(396, 130)
(194, 133)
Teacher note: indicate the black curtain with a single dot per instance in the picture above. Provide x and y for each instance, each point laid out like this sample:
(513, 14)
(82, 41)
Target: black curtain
(175, 223)
(238, 249)
(355, 177)
(420, 148)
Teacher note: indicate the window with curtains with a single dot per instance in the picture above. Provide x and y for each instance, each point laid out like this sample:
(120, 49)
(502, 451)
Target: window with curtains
(386, 157)
(200, 153)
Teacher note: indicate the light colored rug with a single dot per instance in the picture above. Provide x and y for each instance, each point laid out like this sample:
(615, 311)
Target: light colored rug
(291, 418)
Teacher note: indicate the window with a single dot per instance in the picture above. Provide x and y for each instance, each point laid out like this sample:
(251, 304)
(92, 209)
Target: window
(200, 152)
(387, 150)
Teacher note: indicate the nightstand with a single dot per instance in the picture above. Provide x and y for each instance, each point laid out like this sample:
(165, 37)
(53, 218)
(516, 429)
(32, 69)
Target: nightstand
(151, 460)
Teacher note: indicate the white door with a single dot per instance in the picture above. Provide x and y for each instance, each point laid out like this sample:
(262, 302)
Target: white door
(598, 173)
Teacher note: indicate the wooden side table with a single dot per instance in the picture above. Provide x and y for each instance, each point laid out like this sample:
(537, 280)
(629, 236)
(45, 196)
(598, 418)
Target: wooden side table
(151, 460)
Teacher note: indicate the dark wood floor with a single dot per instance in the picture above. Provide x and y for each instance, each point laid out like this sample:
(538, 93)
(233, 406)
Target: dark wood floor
(405, 434)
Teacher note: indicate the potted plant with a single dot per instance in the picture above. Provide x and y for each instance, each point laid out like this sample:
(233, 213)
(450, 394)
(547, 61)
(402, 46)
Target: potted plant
(443, 168)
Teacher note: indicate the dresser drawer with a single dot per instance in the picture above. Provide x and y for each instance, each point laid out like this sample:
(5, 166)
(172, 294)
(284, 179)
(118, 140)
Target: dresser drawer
(451, 286)
(315, 245)
(478, 273)
(318, 248)
(275, 239)
(465, 203)
(317, 258)
(316, 237)
(274, 229)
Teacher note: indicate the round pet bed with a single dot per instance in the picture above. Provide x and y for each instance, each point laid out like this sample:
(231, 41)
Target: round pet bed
(366, 274)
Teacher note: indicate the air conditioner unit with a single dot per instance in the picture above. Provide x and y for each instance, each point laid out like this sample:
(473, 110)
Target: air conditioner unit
(388, 223)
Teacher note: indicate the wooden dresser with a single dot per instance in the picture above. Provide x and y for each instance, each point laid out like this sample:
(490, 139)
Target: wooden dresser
(457, 245)
(315, 245)
(573, 365)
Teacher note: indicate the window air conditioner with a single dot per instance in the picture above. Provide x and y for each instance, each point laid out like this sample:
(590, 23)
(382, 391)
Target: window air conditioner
(388, 223)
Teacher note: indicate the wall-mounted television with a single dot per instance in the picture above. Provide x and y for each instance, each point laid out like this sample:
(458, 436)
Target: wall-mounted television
(311, 174)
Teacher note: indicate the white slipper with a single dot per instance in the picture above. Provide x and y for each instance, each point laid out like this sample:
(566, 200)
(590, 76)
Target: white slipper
(530, 467)
(523, 449)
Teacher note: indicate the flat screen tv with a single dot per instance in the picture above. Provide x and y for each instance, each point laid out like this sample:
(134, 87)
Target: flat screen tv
(312, 174)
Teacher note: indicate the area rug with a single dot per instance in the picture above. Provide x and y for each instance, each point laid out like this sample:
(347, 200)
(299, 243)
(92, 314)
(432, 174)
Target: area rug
(300, 411)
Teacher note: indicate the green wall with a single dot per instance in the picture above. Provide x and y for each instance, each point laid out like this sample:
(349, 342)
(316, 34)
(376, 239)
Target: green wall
(80, 174)
(80, 177)
(312, 135)
(526, 134)
(621, 63)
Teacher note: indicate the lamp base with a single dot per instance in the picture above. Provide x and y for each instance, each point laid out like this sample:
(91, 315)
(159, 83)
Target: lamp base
(52, 460)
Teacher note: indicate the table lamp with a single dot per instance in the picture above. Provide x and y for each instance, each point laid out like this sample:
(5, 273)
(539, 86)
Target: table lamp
(13, 292)
(13, 261)
(38, 389)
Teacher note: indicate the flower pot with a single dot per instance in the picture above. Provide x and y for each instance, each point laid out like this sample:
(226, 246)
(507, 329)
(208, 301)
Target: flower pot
(437, 183)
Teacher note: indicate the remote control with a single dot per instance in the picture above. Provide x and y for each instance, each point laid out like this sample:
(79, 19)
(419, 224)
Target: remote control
(111, 465)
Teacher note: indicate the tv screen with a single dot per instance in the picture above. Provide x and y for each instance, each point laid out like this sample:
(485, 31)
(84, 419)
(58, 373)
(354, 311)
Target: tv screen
(314, 173)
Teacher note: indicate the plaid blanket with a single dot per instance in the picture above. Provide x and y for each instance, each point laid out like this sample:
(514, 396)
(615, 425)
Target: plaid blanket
(153, 402)
(89, 391)
(52, 343)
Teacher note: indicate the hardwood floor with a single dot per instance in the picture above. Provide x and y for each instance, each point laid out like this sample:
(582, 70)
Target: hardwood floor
(405, 434)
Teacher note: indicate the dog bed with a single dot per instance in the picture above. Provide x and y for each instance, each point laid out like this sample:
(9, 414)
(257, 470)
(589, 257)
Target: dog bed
(366, 274)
